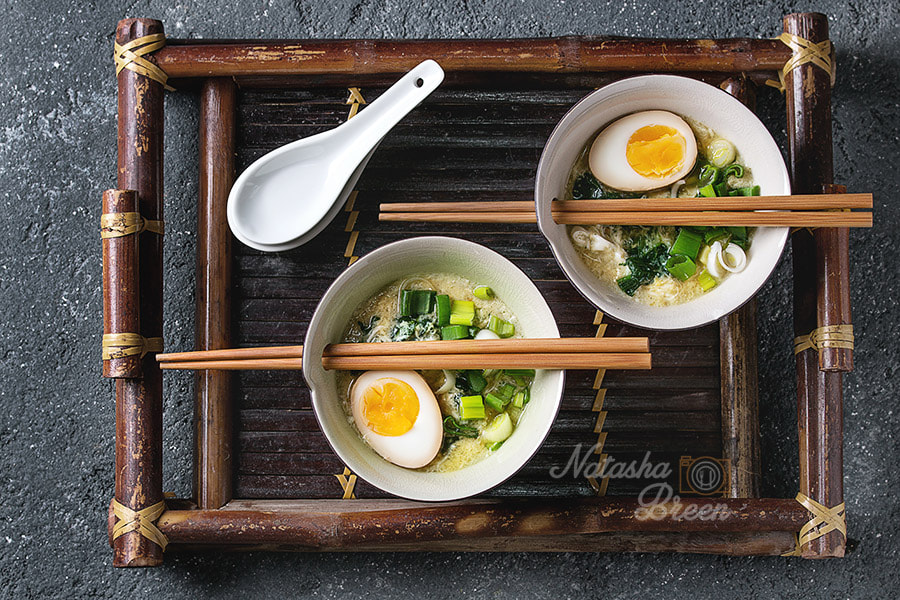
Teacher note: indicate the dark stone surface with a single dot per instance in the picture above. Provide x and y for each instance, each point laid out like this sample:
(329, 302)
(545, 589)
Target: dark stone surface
(57, 152)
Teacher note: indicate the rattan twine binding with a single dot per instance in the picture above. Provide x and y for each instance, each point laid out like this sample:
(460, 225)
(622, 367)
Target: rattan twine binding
(131, 56)
(819, 54)
(143, 521)
(829, 336)
(825, 520)
(113, 225)
(121, 345)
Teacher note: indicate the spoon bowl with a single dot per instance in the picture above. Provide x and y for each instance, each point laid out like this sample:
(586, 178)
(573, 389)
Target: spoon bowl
(291, 191)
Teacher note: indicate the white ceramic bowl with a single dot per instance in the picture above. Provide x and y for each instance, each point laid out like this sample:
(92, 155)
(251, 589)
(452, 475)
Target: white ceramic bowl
(709, 105)
(368, 276)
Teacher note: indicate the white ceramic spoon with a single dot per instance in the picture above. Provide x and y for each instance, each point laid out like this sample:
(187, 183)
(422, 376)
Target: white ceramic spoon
(289, 191)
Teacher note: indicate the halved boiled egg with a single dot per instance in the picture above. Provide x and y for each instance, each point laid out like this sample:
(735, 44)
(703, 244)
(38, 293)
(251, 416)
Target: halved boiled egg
(398, 416)
(643, 151)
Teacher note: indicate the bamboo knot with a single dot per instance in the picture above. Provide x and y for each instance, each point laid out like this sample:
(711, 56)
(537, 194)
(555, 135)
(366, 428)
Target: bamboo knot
(143, 521)
(121, 345)
(829, 336)
(113, 225)
(824, 521)
(819, 54)
(131, 56)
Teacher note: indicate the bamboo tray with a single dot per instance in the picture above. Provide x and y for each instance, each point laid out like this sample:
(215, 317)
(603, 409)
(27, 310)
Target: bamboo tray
(264, 476)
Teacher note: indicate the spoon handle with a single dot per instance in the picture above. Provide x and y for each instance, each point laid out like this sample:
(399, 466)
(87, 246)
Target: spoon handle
(378, 118)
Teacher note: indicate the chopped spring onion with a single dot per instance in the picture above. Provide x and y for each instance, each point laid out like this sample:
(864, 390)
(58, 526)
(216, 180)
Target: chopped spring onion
(739, 232)
(506, 392)
(708, 176)
(521, 398)
(708, 191)
(687, 243)
(494, 446)
(454, 332)
(443, 309)
(703, 257)
(416, 302)
(449, 383)
(521, 372)
(721, 189)
(477, 382)
(735, 169)
(502, 328)
(706, 281)
(498, 430)
(753, 190)
(471, 407)
(680, 266)
(454, 428)
(483, 292)
(721, 152)
(462, 312)
(733, 258)
(495, 402)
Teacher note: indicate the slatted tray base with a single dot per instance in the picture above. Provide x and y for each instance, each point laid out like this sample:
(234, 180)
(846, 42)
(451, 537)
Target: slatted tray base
(463, 143)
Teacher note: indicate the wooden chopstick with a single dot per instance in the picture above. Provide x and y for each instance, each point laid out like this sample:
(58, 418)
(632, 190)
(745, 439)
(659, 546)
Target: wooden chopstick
(733, 218)
(743, 203)
(518, 345)
(552, 360)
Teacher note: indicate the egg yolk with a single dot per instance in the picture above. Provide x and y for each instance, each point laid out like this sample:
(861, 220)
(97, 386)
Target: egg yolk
(390, 406)
(655, 151)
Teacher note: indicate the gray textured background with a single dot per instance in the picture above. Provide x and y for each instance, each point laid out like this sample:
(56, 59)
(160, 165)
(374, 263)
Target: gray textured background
(57, 143)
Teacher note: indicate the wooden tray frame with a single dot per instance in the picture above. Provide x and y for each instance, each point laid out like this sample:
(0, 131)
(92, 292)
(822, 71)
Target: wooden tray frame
(751, 525)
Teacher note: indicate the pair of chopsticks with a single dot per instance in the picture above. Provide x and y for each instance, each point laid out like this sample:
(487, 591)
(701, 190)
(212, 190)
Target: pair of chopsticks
(525, 353)
(812, 210)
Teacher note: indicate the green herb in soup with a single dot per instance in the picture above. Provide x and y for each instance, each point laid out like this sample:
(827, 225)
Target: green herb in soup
(478, 408)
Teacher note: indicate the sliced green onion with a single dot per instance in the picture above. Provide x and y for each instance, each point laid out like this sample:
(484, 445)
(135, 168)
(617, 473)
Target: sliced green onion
(721, 189)
(483, 292)
(471, 407)
(502, 328)
(687, 243)
(708, 175)
(423, 302)
(457, 429)
(477, 382)
(500, 428)
(521, 372)
(462, 312)
(454, 332)
(443, 309)
(753, 190)
(494, 446)
(519, 400)
(736, 170)
(706, 281)
(495, 402)
(708, 191)
(406, 303)
(506, 391)
(715, 233)
(681, 267)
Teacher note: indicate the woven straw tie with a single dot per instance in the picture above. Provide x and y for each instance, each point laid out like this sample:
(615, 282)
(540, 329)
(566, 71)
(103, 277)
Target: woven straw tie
(824, 521)
(131, 56)
(829, 336)
(143, 521)
(113, 225)
(819, 54)
(121, 345)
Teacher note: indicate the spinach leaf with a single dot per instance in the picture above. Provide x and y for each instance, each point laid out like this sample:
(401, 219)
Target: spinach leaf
(644, 262)
(587, 187)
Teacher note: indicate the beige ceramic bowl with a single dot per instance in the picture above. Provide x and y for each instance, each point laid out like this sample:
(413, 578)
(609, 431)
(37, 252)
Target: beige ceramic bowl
(686, 97)
(370, 275)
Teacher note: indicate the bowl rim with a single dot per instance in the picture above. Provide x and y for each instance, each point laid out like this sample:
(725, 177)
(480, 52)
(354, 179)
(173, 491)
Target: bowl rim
(544, 224)
(334, 289)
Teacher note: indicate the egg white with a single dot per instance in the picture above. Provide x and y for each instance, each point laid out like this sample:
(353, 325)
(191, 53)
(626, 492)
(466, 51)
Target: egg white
(609, 164)
(418, 446)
